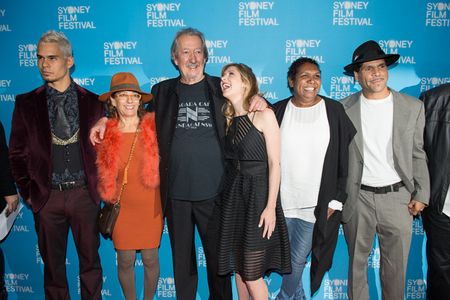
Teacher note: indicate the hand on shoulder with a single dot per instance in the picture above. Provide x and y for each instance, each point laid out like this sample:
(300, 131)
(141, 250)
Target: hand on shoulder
(264, 119)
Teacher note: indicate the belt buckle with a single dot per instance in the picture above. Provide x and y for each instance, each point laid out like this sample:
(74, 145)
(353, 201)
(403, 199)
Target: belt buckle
(395, 187)
(379, 190)
(383, 189)
(70, 185)
(66, 185)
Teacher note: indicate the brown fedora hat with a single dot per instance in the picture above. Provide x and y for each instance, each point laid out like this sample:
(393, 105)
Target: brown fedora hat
(369, 51)
(125, 81)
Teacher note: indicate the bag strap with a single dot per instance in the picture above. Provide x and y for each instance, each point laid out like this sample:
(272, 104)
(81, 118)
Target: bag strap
(125, 171)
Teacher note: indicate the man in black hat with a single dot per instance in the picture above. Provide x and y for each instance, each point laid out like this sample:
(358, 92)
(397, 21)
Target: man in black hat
(388, 179)
(436, 217)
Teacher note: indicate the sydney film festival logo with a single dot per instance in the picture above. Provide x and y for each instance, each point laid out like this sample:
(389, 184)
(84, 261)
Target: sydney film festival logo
(335, 288)
(201, 258)
(164, 15)
(303, 48)
(351, 13)
(402, 47)
(3, 27)
(5, 85)
(121, 53)
(19, 225)
(152, 81)
(27, 54)
(256, 13)
(417, 228)
(416, 289)
(166, 288)
(427, 83)
(374, 258)
(75, 18)
(437, 14)
(216, 49)
(19, 283)
(265, 83)
(341, 87)
(84, 81)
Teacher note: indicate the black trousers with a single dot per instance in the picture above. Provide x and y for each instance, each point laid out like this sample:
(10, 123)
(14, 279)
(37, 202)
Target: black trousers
(182, 217)
(75, 209)
(437, 228)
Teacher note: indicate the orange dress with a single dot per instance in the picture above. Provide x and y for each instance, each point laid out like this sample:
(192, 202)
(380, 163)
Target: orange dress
(140, 221)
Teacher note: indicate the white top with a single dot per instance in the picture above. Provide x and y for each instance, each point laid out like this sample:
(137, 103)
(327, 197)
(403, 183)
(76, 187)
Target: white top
(305, 135)
(377, 117)
(446, 208)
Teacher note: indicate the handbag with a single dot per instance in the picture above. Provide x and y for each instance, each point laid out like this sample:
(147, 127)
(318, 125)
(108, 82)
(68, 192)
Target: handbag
(108, 217)
(110, 211)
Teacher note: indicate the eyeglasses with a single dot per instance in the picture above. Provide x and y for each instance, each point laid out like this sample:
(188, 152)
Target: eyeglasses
(123, 96)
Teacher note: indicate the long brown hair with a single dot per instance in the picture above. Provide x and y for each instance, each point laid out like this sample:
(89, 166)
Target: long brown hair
(251, 84)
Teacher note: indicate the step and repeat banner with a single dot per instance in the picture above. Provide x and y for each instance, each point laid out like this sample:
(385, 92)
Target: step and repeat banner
(135, 36)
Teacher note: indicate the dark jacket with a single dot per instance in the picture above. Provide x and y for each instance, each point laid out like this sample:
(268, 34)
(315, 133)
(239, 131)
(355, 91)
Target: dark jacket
(332, 186)
(165, 104)
(437, 142)
(30, 146)
(7, 186)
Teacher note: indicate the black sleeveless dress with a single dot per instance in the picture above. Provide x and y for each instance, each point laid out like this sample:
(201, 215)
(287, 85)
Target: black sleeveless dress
(242, 248)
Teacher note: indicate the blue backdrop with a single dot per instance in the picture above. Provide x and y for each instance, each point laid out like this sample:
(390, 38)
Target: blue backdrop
(135, 36)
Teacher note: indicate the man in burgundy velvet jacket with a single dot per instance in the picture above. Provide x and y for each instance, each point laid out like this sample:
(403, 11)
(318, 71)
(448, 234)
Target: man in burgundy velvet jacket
(53, 164)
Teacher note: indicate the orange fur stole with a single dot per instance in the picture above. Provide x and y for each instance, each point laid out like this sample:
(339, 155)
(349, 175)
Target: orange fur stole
(108, 157)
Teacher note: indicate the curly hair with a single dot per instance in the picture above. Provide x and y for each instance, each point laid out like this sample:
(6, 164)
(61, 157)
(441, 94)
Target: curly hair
(293, 69)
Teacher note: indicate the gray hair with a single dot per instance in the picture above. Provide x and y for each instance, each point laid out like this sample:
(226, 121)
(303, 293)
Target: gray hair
(59, 38)
(191, 32)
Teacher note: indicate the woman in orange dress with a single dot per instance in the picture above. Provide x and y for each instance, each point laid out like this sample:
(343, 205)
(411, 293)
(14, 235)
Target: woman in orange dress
(130, 139)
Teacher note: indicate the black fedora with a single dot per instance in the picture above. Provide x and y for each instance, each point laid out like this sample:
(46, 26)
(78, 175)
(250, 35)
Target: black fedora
(369, 51)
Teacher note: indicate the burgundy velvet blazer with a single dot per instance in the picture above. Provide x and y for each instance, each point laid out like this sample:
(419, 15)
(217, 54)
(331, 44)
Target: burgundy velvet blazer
(30, 144)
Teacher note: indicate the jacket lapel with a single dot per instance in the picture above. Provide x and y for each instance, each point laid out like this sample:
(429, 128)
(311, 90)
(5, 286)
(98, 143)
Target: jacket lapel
(83, 112)
(42, 119)
(354, 113)
(400, 123)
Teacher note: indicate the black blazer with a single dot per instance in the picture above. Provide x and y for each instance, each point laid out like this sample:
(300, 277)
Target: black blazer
(7, 186)
(165, 105)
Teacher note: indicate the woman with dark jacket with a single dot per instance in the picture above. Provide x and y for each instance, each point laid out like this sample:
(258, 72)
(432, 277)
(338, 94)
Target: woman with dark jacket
(315, 134)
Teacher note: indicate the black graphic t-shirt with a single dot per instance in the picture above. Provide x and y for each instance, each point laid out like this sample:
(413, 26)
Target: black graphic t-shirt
(196, 165)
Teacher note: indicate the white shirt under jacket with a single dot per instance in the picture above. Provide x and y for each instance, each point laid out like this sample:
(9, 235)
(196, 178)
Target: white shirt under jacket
(305, 135)
(377, 123)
